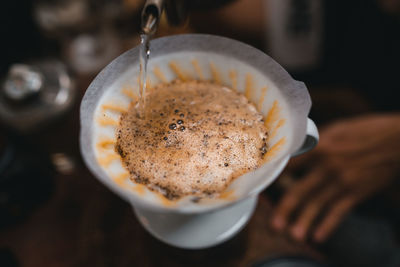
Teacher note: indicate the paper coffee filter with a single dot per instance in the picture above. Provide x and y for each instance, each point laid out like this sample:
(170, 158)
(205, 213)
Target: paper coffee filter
(284, 102)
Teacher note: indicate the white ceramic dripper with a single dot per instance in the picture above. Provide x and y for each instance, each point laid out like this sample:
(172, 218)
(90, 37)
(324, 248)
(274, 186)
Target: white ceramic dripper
(284, 102)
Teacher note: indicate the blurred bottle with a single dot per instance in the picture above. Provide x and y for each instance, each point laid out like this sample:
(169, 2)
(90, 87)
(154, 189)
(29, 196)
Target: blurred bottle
(295, 33)
(34, 94)
(338, 43)
(90, 32)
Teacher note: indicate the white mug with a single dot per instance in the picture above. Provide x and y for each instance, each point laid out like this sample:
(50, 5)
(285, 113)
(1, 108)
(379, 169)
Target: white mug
(187, 223)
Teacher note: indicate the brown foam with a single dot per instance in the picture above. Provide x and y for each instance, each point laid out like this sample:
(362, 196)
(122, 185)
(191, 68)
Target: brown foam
(195, 139)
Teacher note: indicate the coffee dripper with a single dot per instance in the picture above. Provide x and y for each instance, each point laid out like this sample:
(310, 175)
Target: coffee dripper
(187, 223)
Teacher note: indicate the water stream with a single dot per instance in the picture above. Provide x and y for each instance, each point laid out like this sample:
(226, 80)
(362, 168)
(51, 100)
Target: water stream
(143, 58)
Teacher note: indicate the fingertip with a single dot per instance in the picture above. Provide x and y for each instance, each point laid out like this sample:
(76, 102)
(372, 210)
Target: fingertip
(319, 236)
(278, 223)
(298, 232)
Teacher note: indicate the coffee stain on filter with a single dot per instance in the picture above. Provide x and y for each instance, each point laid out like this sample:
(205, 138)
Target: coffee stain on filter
(159, 74)
(249, 86)
(234, 79)
(127, 91)
(165, 201)
(215, 73)
(228, 195)
(115, 108)
(275, 129)
(139, 189)
(178, 71)
(274, 149)
(198, 69)
(261, 99)
(105, 143)
(107, 158)
(121, 178)
(272, 115)
(107, 121)
(273, 123)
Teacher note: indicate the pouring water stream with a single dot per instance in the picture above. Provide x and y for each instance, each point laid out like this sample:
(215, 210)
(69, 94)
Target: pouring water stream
(143, 58)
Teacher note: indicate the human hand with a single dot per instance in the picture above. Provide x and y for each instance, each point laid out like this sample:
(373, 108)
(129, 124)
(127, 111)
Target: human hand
(354, 159)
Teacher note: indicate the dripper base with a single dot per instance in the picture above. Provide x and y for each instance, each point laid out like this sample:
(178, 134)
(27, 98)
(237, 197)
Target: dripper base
(198, 231)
